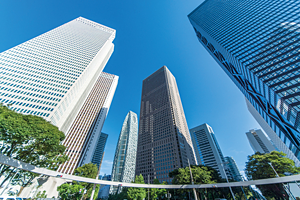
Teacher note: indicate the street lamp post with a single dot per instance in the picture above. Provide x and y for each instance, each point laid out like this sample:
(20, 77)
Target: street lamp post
(227, 178)
(194, 189)
(284, 186)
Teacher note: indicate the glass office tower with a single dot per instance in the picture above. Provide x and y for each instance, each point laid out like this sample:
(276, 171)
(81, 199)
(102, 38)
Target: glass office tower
(257, 43)
(125, 155)
(51, 75)
(99, 151)
(233, 168)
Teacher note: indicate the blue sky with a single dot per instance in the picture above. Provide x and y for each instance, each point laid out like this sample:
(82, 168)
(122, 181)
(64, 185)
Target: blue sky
(150, 34)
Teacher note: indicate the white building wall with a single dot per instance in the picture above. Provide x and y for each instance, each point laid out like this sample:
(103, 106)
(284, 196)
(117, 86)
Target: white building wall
(259, 141)
(48, 75)
(208, 151)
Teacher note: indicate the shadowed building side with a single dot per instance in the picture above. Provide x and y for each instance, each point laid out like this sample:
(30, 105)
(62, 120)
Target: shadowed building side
(84, 133)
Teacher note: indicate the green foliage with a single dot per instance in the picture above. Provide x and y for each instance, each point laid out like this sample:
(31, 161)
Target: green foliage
(258, 167)
(121, 195)
(30, 139)
(137, 193)
(41, 194)
(156, 193)
(70, 192)
(201, 175)
(89, 171)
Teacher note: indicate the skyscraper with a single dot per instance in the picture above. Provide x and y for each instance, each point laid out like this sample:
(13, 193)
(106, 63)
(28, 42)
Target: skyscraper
(85, 131)
(257, 45)
(99, 150)
(58, 76)
(259, 142)
(207, 149)
(125, 155)
(164, 143)
(233, 168)
(51, 75)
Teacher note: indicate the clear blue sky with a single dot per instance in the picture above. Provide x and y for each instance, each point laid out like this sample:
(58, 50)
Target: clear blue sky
(150, 34)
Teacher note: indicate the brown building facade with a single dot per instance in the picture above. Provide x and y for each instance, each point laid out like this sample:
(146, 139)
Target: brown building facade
(164, 142)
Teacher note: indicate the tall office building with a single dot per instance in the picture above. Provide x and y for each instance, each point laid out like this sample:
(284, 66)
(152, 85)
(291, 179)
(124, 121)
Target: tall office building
(257, 45)
(207, 149)
(85, 131)
(233, 168)
(125, 155)
(99, 150)
(259, 141)
(58, 76)
(51, 75)
(164, 143)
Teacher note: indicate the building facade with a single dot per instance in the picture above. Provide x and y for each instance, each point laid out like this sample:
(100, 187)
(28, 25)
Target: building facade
(164, 143)
(125, 155)
(207, 149)
(259, 142)
(99, 150)
(257, 45)
(85, 131)
(51, 75)
(233, 168)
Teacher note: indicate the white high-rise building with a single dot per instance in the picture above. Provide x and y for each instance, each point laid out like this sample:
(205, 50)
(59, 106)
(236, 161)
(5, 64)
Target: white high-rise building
(51, 75)
(207, 149)
(58, 76)
(259, 141)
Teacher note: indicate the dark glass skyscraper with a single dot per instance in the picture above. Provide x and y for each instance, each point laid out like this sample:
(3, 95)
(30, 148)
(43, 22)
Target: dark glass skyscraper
(257, 43)
(164, 142)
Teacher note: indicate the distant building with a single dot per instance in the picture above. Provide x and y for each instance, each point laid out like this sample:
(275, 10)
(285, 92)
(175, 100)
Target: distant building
(233, 168)
(164, 143)
(276, 141)
(104, 189)
(125, 154)
(207, 149)
(256, 44)
(99, 151)
(259, 141)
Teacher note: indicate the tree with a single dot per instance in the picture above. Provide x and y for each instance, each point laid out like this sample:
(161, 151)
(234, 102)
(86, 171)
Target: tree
(70, 192)
(30, 139)
(258, 167)
(156, 193)
(201, 175)
(137, 193)
(121, 195)
(89, 171)
(41, 194)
